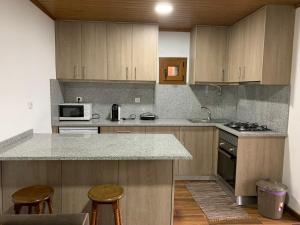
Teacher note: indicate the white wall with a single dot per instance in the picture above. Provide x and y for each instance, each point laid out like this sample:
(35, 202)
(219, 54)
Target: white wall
(291, 176)
(27, 62)
(174, 44)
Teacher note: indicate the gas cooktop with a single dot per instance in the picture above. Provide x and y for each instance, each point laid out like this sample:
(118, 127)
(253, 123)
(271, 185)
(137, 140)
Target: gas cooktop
(242, 127)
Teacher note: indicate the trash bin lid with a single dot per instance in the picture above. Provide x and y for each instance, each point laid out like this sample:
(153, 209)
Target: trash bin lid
(271, 185)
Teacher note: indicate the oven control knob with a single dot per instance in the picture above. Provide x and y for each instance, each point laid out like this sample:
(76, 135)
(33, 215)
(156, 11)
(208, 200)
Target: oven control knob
(222, 143)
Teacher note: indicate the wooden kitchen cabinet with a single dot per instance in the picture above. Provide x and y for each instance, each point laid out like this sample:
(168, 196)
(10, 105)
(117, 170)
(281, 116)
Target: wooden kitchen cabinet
(167, 130)
(68, 50)
(200, 143)
(258, 158)
(260, 46)
(123, 130)
(94, 51)
(119, 46)
(236, 55)
(145, 52)
(106, 51)
(81, 50)
(208, 54)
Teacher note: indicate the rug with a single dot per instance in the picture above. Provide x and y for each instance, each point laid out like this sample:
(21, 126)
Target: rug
(217, 205)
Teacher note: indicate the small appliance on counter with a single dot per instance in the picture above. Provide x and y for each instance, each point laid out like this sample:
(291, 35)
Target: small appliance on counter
(115, 112)
(148, 116)
(75, 111)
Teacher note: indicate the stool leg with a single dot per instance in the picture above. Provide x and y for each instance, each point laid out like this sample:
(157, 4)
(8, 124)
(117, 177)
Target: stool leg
(49, 203)
(117, 214)
(37, 208)
(94, 213)
(17, 208)
(43, 207)
(29, 209)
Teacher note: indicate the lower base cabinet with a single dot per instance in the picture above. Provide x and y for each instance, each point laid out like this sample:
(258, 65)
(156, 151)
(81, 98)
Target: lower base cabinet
(167, 130)
(148, 187)
(122, 130)
(258, 158)
(200, 143)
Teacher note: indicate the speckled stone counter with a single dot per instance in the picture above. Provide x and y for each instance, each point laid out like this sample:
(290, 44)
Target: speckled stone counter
(162, 123)
(143, 164)
(97, 147)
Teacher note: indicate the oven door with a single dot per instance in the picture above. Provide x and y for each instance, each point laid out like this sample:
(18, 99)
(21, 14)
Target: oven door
(71, 112)
(227, 167)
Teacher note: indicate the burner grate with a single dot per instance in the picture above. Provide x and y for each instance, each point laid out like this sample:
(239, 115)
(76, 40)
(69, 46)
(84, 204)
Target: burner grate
(242, 127)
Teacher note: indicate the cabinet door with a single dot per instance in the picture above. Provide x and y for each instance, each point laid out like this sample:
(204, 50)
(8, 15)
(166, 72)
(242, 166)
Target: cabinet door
(236, 52)
(68, 50)
(94, 54)
(199, 142)
(145, 45)
(211, 54)
(119, 45)
(254, 46)
(166, 130)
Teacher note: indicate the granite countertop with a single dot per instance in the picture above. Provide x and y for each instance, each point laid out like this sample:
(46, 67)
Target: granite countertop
(96, 147)
(166, 123)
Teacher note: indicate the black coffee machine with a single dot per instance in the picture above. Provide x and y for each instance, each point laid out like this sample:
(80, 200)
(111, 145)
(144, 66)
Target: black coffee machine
(115, 112)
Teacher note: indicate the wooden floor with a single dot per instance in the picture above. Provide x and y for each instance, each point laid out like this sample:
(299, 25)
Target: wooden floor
(187, 212)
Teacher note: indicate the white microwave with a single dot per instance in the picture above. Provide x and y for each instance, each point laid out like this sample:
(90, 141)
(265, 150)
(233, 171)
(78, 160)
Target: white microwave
(75, 111)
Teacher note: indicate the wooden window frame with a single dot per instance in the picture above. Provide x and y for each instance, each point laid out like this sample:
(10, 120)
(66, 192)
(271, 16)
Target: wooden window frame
(164, 62)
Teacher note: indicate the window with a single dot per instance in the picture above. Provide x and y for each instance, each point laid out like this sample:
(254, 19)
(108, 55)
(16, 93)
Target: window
(172, 70)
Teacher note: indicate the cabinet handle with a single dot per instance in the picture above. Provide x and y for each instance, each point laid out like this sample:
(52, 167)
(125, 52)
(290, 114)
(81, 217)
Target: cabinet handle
(74, 75)
(126, 72)
(223, 75)
(135, 73)
(240, 73)
(123, 131)
(244, 74)
(83, 72)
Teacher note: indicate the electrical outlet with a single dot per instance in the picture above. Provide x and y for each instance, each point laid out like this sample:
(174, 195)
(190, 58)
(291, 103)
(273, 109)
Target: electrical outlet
(137, 100)
(79, 99)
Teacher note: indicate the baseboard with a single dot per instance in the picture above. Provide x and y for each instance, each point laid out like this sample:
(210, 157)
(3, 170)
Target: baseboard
(292, 212)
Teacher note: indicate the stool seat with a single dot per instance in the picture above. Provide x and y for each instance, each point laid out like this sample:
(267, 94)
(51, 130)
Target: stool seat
(32, 194)
(106, 193)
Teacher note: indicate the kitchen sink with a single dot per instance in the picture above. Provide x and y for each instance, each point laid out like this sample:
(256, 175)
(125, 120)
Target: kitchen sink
(208, 121)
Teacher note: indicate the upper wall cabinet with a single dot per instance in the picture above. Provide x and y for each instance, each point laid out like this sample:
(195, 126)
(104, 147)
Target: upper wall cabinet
(119, 45)
(81, 50)
(260, 47)
(94, 51)
(106, 51)
(208, 54)
(145, 52)
(68, 50)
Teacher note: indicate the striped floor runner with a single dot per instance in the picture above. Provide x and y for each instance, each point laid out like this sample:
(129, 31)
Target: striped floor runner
(217, 205)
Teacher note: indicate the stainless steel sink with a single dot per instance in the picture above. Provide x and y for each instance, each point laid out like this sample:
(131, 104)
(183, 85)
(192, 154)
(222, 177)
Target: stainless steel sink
(208, 121)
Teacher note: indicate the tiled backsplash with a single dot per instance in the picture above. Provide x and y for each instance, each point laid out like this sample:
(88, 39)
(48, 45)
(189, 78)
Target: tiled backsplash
(183, 101)
(265, 105)
(56, 95)
(254, 103)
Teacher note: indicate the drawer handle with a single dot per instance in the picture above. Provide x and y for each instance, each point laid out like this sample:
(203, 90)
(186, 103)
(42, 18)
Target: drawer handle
(123, 132)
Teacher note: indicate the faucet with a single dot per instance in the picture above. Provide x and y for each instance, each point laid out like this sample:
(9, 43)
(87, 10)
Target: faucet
(208, 112)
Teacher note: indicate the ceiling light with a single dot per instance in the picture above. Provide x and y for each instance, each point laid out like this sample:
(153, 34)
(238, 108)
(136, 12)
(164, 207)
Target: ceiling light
(163, 8)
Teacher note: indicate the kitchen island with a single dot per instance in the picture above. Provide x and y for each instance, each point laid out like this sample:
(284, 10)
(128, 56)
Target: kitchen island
(71, 164)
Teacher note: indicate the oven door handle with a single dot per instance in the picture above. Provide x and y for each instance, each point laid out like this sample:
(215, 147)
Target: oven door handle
(225, 153)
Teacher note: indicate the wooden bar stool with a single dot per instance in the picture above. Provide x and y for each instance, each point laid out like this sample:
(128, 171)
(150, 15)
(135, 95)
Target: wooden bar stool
(106, 194)
(33, 196)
